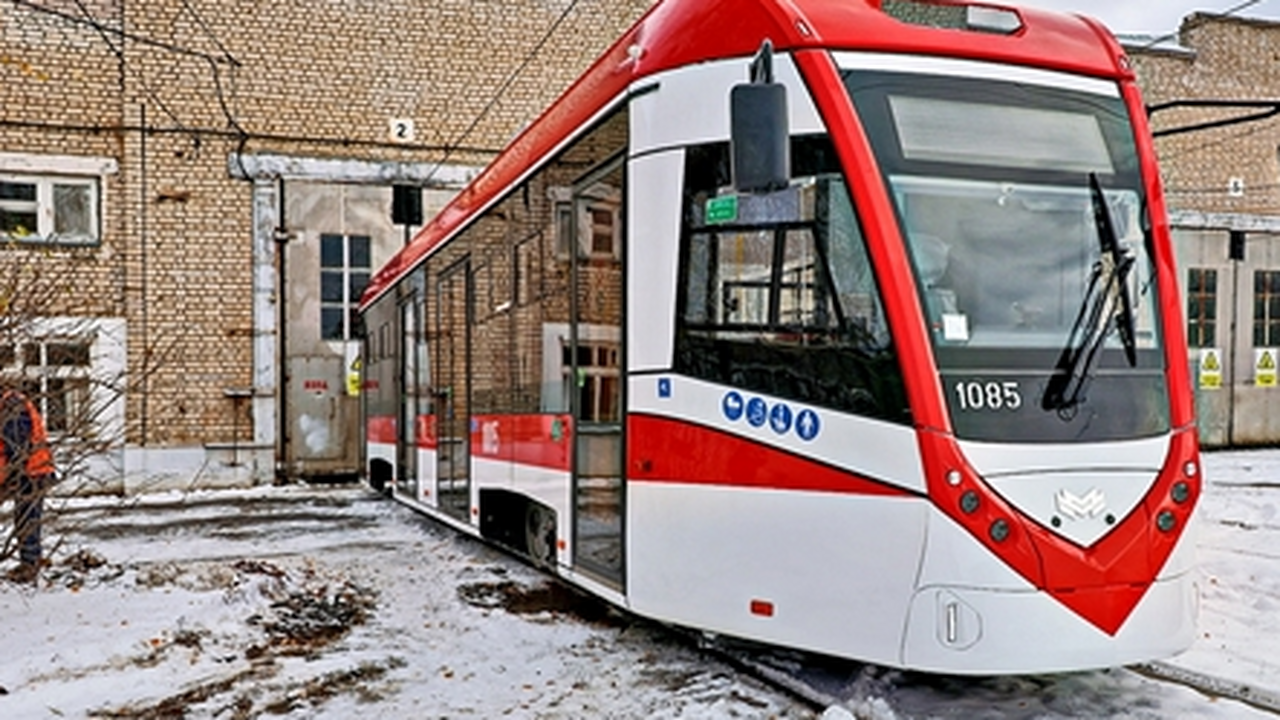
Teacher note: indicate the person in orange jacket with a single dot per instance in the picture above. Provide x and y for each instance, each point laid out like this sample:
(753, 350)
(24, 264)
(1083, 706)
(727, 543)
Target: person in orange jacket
(26, 474)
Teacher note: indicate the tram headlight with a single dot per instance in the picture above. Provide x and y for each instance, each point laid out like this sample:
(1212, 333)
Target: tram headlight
(1181, 492)
(1190, 469)
(1166, 521)
(953, 477)
(969, 502)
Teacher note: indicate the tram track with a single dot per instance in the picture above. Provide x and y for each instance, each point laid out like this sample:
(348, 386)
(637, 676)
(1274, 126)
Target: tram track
(772, 676)
(1210, 685)
(799, 679)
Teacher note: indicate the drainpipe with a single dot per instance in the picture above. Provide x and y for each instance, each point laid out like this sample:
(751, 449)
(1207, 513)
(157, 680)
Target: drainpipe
(142, 251)
(281, 236)
(1235, 253)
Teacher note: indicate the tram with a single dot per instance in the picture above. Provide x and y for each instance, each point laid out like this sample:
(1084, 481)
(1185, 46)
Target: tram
(842, 325)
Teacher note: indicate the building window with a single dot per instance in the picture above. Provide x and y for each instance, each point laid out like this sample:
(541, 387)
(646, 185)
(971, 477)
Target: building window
(344, 272)
(564, 229)
(1202, 307)
(599, 222)
(54, 374)
(1266, 308)
(597, 382)
(48, 209)
(604, 230)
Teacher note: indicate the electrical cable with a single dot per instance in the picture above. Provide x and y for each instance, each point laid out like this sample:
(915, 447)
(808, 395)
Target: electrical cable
(232, 135)
(1203, 190)
(111, 37)
(219, 93)
(103, 32)
(1229, 12)
(1209, 144)
(502, 88)
(178, 49)
(212, 36)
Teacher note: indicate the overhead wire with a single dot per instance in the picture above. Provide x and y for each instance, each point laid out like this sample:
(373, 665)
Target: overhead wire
(212, 35)
(1210, 144)
(1229, 12)
(1175, 190)
(1207, 144)
(101, 28)
(503, 87)
(103, 32)
(114, 38)
(224, 133)
(242, 135)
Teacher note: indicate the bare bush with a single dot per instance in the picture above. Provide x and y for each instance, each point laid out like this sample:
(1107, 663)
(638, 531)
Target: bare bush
(62, 343)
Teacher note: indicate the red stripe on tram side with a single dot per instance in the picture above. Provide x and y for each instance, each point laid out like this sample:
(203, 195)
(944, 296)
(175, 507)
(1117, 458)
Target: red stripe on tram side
(672, 451)
(424, 432)
(381, 429)
(544, 441)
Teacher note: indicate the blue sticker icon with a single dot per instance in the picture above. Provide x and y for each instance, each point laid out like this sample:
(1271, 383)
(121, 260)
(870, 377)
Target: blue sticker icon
(757, 412)
(780, 418)
(664, 387)
(732, 406)
(807, 425)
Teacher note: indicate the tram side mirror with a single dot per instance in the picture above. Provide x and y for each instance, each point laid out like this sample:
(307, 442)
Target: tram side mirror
(759, 135)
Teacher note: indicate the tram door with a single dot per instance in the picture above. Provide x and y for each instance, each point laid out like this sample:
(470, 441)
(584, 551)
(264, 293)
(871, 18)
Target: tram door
(593, 360)
(452, 390)
(407, 423)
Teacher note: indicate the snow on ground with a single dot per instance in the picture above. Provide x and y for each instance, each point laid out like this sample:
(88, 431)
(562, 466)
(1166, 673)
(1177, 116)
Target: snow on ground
(326, 602)
(1240, 560)
(333, 602)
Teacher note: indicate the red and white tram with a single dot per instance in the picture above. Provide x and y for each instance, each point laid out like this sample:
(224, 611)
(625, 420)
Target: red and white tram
(844, 325)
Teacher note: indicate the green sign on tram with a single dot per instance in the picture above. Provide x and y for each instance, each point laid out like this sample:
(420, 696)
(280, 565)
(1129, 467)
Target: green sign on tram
(722, 209)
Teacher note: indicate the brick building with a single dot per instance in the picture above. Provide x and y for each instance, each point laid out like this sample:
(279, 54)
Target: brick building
(192, 194)
(1222, 185)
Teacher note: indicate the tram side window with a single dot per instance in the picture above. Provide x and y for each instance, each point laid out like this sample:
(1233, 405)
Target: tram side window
(522, 269)
(777, 294)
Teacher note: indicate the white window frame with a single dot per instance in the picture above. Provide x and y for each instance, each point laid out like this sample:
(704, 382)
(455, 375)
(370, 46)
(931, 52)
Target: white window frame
(47, 172)
(94, 399)
(597, 373)
(66, 385)
(599, 198)
(587, 222)
(347, 270)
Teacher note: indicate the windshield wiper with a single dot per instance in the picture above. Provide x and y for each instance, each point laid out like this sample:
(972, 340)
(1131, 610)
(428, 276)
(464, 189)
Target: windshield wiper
(1106, 305)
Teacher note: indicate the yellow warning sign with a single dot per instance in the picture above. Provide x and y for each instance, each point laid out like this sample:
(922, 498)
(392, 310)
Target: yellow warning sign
(1264, 367)
(1210, 368)
(353, 378)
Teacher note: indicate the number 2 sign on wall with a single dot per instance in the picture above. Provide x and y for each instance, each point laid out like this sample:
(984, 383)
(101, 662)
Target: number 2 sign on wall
(402, 130)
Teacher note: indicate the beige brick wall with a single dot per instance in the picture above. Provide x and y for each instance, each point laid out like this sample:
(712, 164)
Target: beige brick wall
(207, 79)
(1236, 59)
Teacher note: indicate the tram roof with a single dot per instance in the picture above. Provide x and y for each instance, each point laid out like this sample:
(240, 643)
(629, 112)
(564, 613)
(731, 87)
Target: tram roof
(674, 33)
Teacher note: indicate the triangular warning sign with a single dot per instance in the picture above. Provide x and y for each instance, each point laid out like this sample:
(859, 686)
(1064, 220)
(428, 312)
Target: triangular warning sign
(1266, 362)
(1210, 362)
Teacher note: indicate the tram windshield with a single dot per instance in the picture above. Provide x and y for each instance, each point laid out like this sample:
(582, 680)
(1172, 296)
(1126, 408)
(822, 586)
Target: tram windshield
(1024, 216)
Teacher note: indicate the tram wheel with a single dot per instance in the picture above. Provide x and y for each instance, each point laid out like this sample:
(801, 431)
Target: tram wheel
(540, 534)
